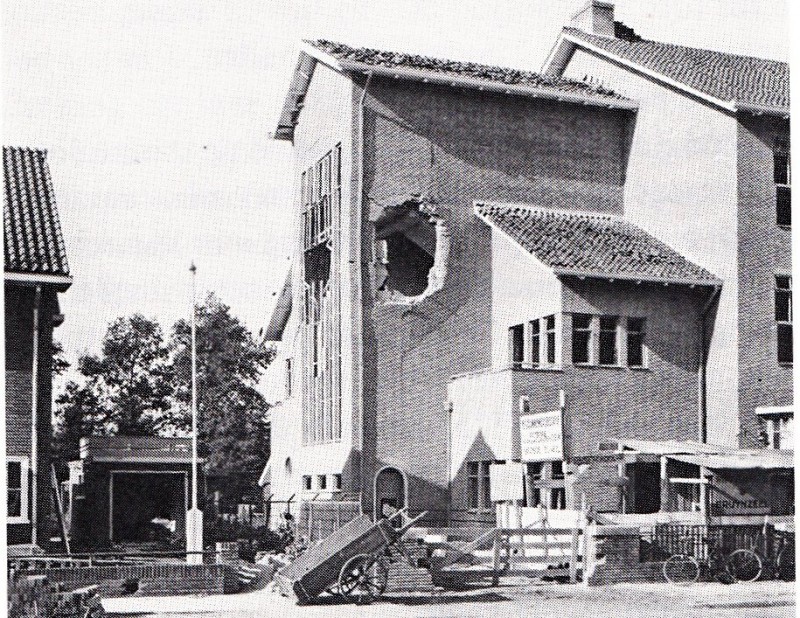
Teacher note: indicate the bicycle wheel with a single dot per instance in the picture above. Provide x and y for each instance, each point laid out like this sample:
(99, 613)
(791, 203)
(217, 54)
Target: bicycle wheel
(744, 565)
(784, 563)
(681, 569)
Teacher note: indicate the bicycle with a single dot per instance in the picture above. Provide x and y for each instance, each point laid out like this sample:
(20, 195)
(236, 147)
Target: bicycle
(778, 558)
(741, 565)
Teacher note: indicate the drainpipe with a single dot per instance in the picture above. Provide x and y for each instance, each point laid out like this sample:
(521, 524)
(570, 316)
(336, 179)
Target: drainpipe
(702, 398)
(37, 297)
(358, 282)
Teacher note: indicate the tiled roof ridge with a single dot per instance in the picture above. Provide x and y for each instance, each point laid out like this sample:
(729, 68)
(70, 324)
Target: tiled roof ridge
(556, 212)
(518, 76)
(578, 31)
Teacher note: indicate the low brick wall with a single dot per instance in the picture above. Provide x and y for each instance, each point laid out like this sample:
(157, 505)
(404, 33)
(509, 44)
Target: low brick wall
(616, 557)
(147, 579)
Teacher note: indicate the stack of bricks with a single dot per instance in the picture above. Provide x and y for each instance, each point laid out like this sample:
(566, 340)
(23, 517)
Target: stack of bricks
(30, 595)
(617, 558)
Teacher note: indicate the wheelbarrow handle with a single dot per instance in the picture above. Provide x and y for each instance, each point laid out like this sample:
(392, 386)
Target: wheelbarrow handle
(410, 524)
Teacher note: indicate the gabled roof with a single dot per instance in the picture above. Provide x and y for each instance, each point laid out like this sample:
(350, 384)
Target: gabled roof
(592, 245)
(731, 81)
(34, 246)
(347, 59)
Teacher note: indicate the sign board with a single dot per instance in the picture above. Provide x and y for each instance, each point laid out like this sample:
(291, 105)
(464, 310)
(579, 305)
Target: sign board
(506, 482)
(541, 437)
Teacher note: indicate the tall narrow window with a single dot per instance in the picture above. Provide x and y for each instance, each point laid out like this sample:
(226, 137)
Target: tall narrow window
(636, 342)
(536, 342)
(550, 338)
(581, 338)
(534, 493)
(516, 336)
(486, 499)
(558, 494)
(609, 353)
(783, 183)
(783, 316)
(473, 484)
(524, 405)
(17, 477)
(288, 377)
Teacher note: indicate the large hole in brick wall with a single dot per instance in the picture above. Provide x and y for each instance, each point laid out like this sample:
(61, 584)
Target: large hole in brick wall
(408, 244)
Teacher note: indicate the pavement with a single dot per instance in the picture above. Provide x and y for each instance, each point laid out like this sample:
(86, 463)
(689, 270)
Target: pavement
(770, 599)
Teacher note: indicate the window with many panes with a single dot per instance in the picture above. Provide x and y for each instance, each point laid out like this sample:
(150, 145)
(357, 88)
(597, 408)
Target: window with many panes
(17, 490)
(783, 316)
(536, 342)
(635, 342)
(783, 182)
(581, 338)
(550, 339)
(609, 340)
(478, 488)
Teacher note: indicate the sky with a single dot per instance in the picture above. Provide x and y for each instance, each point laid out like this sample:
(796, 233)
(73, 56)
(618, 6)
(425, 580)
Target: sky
(157, 118)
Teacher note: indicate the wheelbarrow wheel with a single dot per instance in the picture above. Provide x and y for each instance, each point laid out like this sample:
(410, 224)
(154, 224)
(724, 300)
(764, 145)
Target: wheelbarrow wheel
(363, 578)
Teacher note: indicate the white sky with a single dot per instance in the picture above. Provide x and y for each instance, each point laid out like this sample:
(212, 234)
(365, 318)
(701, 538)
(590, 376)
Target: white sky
(157, 114)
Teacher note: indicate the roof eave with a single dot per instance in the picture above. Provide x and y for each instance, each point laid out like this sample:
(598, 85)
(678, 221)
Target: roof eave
(60, 282)
(584, 274)
(763, 110)
(434, 77)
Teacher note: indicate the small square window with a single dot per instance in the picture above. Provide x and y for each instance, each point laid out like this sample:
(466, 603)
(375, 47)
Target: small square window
(337, 482)
(322, 481)
(307, 482)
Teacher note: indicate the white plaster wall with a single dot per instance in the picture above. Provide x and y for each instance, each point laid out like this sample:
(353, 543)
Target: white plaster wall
(482, 413)
(522, 290)
(681, 186)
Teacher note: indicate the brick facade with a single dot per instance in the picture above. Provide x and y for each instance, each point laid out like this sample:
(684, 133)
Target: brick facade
(19, 358)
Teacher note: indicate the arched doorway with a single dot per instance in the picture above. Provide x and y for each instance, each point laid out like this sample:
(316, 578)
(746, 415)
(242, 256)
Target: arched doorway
(391, 491)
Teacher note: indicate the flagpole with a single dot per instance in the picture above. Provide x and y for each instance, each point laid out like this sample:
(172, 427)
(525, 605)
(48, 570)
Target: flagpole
(194, 518)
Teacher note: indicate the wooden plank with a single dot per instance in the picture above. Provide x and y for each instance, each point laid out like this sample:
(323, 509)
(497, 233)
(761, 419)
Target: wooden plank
(543, 545)
(496, 561)
(573, 562)
(544, 560)
(536, 531)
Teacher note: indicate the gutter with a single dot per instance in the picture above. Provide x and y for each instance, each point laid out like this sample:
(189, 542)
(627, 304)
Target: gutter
(359, 283)
(61, 281)
(702, 387)
(35, 418)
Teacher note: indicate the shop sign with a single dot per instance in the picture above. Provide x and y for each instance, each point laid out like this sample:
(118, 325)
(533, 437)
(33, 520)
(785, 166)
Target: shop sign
(541, 437)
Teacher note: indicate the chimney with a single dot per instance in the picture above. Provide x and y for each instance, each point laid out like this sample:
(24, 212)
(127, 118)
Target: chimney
(597, 17)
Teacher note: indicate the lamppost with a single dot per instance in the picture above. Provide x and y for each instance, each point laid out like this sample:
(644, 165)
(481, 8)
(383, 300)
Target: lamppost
(194, 518)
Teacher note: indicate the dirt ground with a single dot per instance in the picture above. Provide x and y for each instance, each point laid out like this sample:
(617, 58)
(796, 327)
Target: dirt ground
(757, 600)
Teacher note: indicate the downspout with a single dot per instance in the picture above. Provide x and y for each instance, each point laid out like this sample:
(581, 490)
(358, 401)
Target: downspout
(35, 418)
(358, 280)
(702, 399)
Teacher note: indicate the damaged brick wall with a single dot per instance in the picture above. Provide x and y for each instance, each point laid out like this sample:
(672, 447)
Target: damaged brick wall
(454, 147)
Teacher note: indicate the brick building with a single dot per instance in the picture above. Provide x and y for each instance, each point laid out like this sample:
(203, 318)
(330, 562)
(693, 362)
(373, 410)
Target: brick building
(36, 271)
(473, 244)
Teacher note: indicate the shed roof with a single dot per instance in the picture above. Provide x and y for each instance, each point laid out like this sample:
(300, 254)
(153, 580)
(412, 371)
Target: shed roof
(137, 449)
(583, 244)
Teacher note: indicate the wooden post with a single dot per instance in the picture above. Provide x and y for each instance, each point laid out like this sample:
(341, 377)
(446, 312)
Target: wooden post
(496, 559)
(588, 552)
(573, 559)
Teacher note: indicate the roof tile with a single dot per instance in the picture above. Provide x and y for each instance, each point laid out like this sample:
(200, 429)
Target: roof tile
(593, 245)
(729, 77)
(495, 74)
(33, 240)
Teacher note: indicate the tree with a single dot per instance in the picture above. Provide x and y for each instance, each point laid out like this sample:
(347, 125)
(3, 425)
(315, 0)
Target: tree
(233, 433)
(125, 390)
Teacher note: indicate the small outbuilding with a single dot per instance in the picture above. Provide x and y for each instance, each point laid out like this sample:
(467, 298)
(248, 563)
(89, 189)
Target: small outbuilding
(128, 490)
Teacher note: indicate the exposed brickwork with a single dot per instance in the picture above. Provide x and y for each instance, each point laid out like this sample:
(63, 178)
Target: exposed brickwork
(765, 249)
(455, 148)
(19, 358)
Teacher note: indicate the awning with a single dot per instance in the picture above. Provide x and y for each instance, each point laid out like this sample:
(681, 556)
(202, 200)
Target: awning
(667, 447)
(746, 460)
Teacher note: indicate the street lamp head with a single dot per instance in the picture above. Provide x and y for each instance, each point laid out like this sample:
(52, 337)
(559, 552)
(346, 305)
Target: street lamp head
(192, 268)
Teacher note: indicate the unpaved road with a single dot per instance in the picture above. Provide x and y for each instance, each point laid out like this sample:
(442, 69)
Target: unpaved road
(757, 600)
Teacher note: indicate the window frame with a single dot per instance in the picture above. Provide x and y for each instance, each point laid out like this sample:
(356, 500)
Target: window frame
(786, 323)
(479, 486)
(308, 482)
(589, 342)
(781, 151)
(641, 332)
(24, 464)
(516, 342)
(615, 332)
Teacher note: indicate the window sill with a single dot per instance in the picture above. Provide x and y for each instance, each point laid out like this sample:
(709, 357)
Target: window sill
(783, 226)
(529, 367)
(785, 364)
(17, 520)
